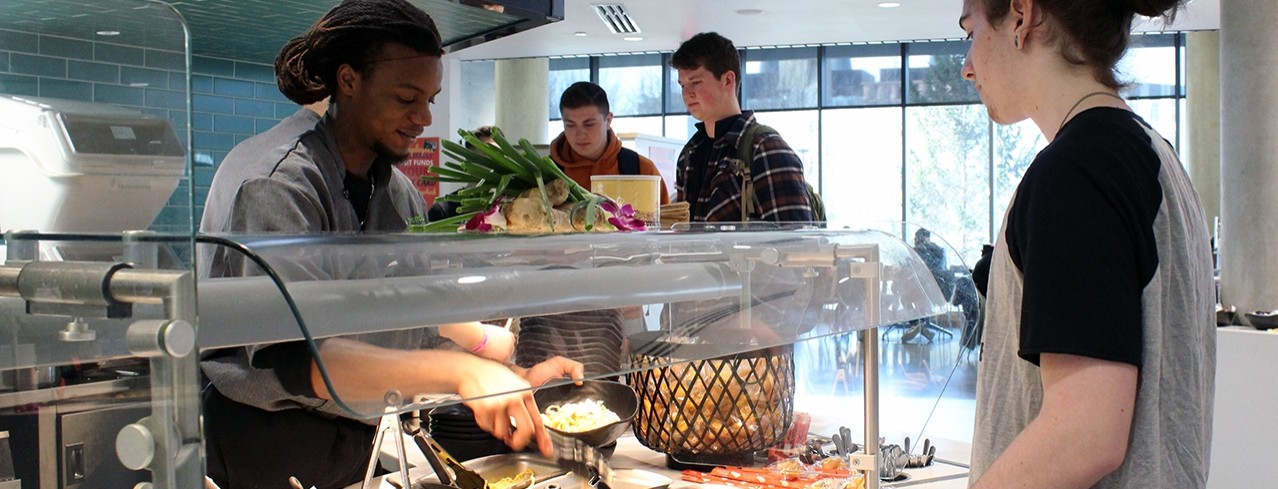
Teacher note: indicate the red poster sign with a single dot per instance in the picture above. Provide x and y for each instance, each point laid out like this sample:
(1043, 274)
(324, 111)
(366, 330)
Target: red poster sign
(423, 155)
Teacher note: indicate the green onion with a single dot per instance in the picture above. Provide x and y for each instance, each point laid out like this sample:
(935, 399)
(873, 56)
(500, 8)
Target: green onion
(492, 173)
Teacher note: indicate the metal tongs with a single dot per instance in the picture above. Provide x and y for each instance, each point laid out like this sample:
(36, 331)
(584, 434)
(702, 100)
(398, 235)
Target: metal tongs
(450, 471)
(843, 444)
(576, 456)
(924, 458)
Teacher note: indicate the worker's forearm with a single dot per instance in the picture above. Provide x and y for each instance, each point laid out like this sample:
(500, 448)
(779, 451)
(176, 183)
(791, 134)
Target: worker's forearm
(364, 373)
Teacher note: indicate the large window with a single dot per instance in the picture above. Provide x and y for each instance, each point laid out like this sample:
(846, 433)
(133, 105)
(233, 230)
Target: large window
(862, 75)
(935, 74)
(861, 150)
(638, 125)
(563, 73)
(947, 175)
(801, 130)
(633, 84)
(886, 132)
(779, 79)
(674, 95)
(1014, 149)
(890, 133)
(1149, 66)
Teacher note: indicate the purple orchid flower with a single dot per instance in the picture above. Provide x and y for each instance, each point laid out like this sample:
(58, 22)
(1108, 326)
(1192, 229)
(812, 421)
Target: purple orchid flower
(623, 218)
(487, 220)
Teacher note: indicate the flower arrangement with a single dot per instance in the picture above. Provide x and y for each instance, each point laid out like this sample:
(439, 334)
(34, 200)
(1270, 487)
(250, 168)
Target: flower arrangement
(516, 190)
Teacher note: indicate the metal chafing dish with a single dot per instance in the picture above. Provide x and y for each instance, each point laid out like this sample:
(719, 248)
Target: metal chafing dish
(546, 474)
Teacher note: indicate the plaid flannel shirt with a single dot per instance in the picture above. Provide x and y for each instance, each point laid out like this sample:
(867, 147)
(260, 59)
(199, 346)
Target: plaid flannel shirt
(779, 190)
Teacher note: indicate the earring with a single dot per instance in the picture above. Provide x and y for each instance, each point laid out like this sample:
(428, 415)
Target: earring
(1016, 41)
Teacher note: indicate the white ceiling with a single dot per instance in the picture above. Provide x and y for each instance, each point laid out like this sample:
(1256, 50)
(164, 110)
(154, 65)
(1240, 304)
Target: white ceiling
(666, 23)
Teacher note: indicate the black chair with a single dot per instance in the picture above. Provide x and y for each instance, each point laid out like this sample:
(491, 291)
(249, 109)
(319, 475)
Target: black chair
(934, 257)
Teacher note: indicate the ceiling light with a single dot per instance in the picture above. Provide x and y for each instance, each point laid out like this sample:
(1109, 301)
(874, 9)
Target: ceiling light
(749, 11)
(108, 33)
(579, 34)
(633, 38)
(890, 4)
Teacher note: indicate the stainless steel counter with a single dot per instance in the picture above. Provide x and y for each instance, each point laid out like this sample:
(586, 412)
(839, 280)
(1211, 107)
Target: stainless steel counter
(630, 454)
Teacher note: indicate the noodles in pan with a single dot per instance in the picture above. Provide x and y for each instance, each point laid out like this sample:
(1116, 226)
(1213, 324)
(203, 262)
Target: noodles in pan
(576, 417)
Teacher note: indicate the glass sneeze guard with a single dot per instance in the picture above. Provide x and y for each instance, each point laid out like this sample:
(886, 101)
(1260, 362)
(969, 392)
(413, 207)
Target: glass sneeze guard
(99, 376)
(698, 296)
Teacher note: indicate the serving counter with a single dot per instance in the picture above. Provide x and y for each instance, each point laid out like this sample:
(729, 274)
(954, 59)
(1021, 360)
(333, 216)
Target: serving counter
(694, 300)
(630, 454)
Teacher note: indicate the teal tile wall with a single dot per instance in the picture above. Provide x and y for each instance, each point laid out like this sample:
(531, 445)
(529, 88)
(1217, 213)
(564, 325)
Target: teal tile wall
(231, 100)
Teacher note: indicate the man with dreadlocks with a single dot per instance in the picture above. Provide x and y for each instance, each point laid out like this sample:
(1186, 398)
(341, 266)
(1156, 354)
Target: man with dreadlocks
(268, 413)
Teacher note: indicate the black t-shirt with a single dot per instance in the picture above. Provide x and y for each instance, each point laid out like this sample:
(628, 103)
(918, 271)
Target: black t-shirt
(1080, 231)
(359, 191)
(701, 160)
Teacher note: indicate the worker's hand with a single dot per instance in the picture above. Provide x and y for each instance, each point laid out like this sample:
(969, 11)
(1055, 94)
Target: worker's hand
(556, 367)
(503, 404)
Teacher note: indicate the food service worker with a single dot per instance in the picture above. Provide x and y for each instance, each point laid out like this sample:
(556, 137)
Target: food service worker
(268, 414)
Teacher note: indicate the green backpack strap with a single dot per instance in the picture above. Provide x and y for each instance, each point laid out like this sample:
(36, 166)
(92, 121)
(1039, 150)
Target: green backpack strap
(745, 156)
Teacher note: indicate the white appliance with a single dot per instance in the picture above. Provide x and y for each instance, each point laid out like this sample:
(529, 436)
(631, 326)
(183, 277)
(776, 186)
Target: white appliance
(83, 167)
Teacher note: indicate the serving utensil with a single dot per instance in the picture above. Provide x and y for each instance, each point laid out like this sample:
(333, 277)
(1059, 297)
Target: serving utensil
(579, 457)
(450, 471)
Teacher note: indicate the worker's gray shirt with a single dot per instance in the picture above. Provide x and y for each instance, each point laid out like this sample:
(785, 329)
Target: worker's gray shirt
(290, 180)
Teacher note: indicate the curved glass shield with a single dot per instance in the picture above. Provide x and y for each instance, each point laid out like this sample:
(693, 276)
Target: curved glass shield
(619, 303)
(926, 366)
(97, 294)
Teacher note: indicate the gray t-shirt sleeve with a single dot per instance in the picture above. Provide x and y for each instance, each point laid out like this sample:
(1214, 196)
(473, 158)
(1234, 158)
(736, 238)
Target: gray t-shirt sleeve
(269, 205)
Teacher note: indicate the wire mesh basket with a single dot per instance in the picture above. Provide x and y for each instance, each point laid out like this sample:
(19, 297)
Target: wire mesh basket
(715, 411)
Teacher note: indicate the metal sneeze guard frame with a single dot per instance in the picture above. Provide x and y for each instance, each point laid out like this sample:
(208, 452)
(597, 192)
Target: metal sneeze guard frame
(475, 277)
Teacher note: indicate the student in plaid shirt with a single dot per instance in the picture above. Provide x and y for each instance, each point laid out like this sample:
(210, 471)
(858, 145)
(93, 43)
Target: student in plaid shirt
(706, 176)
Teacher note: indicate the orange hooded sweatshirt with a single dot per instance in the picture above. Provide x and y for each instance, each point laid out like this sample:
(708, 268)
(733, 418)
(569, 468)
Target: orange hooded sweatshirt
(580, 169)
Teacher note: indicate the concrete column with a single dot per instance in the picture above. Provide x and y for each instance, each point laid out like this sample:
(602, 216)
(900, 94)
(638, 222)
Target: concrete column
(479, 84)
(444, 114)
(1202, 87)
(1249, 154)
(523, 108)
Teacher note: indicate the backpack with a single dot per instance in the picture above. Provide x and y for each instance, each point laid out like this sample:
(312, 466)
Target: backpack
(745, 153)
(627, 162)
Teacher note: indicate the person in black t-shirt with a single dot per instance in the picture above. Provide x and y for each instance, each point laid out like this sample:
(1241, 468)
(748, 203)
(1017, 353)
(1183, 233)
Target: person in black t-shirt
(1098, 350)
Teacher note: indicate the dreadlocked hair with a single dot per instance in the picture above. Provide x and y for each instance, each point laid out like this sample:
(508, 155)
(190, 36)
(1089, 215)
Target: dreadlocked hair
(353, 33)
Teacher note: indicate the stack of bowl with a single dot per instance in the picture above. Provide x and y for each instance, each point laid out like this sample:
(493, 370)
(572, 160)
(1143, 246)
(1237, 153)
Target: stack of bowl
(454, 427)
(593, 338)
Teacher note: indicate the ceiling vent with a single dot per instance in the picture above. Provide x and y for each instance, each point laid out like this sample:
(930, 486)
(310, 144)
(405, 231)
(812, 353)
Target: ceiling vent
(616, 18)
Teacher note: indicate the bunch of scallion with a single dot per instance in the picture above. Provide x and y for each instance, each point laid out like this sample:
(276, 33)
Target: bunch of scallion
(493, 174)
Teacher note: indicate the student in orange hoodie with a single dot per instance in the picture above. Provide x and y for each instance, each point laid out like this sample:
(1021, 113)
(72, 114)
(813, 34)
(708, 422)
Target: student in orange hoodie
(588, 146)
